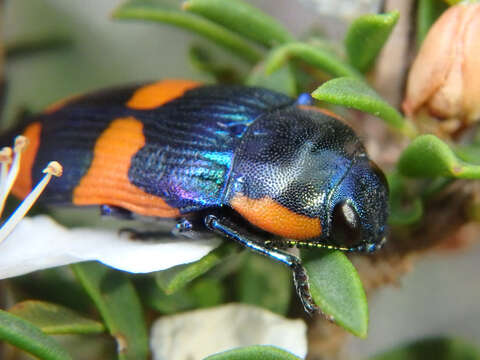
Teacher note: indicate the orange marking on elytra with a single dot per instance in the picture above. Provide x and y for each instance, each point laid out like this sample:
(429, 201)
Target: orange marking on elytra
(23, 184)
(270, 216)
(107, 182)
(157, 94)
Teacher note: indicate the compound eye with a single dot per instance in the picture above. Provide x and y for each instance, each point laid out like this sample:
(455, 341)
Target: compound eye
(346, 231)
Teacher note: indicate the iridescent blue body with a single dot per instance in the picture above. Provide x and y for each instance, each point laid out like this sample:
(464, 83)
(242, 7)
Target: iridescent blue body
(212, 143)
(189, 147)
(191, 143)
(248, 163)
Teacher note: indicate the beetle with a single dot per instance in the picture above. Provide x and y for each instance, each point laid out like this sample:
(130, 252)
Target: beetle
(250, 164)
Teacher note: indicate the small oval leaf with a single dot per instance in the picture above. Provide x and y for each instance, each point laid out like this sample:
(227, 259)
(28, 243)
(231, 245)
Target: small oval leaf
(315, 56)
(55, 319)
(428, 156)
(242, 18)
(29, 338)
(204, 293)
(255, 286)
(336, 288)
(155, 11)
(366, 36)
(256, 352)
(356, 94)
(55, 285)
(175, 278)
(118, 303)
(155, 298)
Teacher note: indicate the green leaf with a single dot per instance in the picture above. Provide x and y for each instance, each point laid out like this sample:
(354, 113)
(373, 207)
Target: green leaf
(26, 336)
(366, 36)
(242, 18)
(204, 293)
(202, 60)
(55, 319)
(469, 153)
(282, 80)
(356, 94)
(428, 156)
(455, 2)
(157, 11)
(28, 46)
(405, 209)
(207, 293)
(264, 283)
(336, 288)
(434, 186)
(436, 348)
(315, 56)
(155, 298)
(56, 285)
(119, 306)
(256, 352)
(175, 278)
(428, 11)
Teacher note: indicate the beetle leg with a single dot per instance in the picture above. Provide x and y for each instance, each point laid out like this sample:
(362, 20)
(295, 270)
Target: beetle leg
(223, 227)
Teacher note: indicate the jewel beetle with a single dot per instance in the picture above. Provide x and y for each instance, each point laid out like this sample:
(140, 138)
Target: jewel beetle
(247, 163)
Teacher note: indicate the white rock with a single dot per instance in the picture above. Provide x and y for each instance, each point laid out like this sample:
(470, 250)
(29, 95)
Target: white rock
(197, 334)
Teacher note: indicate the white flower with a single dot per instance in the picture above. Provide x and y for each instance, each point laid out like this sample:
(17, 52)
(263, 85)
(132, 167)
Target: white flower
(37, 243)
(8, 174)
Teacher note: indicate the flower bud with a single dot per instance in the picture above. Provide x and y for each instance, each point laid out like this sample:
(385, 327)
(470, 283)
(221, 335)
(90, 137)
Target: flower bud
(445, 76)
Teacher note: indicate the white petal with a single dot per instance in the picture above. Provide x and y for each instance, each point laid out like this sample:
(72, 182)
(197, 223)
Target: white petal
(197, 334)
(39, 243)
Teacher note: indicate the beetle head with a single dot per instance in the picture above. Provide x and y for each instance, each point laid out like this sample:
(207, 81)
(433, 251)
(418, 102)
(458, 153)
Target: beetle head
(304, 175)
(358, 208)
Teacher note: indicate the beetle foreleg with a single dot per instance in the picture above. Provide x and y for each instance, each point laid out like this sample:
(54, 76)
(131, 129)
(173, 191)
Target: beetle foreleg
(223, 227)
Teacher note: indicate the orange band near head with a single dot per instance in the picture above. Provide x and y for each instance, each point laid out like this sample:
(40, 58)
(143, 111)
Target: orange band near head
(270, 216)
(157, 94)
(107, 182)
(23, 184)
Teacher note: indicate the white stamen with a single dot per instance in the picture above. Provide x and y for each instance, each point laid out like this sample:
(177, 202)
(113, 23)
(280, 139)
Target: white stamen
(20, 144)
(53, 169)
(5, 160)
